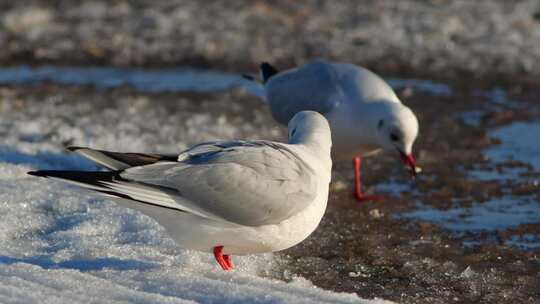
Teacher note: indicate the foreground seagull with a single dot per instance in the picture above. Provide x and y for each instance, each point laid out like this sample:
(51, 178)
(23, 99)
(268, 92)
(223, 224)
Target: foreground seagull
(226, 197)
(364, 113)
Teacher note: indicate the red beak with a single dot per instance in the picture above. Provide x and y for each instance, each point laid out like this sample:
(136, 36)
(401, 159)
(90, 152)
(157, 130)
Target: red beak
(408, 160)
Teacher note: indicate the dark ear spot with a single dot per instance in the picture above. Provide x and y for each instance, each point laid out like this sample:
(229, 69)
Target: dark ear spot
(394, 137)
(380, 124)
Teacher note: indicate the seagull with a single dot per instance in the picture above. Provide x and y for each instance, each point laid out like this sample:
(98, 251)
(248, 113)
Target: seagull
(364, 113)
(223, 197)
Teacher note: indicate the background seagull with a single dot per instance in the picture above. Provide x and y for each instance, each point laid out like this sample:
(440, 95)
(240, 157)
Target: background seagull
(364, 113)
(227, 197)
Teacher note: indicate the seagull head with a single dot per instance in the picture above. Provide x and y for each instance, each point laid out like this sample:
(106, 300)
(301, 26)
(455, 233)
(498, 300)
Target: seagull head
(396, 132)
(310, 128)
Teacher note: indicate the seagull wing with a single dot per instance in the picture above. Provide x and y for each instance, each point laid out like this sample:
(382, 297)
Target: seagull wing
(248, 183)
(314, 86)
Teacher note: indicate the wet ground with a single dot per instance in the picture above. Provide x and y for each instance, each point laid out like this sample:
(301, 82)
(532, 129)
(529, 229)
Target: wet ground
(467, 230)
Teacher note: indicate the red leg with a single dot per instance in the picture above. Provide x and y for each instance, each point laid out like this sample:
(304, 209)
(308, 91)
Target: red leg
(222, 260)
(228, 260)
(360, 196)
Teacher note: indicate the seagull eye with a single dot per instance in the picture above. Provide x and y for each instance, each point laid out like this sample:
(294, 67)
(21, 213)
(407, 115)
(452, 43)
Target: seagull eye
(394, 137)
(293, 132)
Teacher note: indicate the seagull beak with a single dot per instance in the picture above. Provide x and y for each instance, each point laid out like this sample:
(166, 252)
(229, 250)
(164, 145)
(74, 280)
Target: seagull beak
(408, 160)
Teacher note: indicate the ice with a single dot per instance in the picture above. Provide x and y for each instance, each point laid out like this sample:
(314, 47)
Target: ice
(425, 86)
(497, 213)
(525, 241)
(63, 245)
(163, 80)
(519, 142)
(472, 118)
(180, 79)
(393, 187)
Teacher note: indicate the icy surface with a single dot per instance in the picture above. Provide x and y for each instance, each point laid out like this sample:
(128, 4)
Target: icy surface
(62, 245)
(425, 86)
(498, 213)
(520, 141)
(392, 187)
(525, 241)
(146, 80)
(472, 118)
(162, 80)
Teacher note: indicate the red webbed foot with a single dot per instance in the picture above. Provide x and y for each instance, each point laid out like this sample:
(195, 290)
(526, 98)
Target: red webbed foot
(224, 260)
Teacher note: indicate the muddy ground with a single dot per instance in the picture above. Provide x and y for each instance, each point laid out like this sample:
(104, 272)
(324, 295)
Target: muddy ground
(363, 247)
(370, 252)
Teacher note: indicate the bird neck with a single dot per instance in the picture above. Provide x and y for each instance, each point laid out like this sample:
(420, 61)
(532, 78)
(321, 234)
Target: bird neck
(319, 145)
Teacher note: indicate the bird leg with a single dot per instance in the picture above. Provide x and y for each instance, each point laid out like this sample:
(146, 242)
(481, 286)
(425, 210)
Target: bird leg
(228, 260)
(223, 260)
(360, 196)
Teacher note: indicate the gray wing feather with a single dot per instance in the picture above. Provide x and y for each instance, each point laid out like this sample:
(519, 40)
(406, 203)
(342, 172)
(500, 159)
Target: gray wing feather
(314, 86)
(248, 183)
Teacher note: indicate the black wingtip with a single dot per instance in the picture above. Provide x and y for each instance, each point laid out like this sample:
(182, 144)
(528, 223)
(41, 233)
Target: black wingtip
(74, 148)
(36, 173)
(248, 77)
(267, 71)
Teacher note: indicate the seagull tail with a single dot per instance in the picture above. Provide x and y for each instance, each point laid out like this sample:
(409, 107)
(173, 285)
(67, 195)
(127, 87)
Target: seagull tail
(85, 179)
(120, 161)
(256, 85)
(152, 201)
(267, 71)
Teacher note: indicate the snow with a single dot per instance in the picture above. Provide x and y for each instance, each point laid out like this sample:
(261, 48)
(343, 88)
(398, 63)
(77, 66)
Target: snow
(481, 37)
(62, 245)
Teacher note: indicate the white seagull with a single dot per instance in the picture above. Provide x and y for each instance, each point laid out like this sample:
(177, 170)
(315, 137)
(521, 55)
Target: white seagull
(364, 113)
(224, 197)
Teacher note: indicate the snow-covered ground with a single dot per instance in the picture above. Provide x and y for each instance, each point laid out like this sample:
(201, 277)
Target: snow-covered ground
(62, 245)
(437, 36)
(59, 244)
